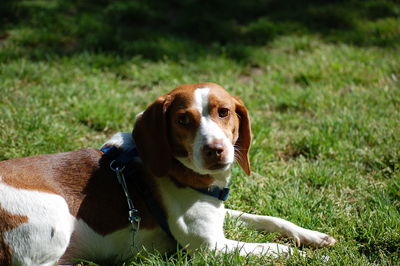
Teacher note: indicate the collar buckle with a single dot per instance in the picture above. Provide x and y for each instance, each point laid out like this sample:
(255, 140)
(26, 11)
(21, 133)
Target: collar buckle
(224, 194)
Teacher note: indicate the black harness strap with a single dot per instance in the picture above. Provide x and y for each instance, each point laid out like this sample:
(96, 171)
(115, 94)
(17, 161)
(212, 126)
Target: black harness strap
(120, 159)
(118, 165)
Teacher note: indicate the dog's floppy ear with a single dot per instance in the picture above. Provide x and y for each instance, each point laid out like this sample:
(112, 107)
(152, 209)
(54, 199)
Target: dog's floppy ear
(242, 145)
(151, 137)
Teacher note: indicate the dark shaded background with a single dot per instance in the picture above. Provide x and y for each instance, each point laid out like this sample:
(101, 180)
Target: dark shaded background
(155, 28)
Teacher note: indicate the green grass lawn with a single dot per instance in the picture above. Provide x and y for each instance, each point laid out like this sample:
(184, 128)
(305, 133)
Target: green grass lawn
(322, 86)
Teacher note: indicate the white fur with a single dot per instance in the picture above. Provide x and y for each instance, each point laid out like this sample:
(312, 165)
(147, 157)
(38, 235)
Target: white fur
(274, 224)
(117, 246)
(122, 140)
(88, 244)
(45, 237)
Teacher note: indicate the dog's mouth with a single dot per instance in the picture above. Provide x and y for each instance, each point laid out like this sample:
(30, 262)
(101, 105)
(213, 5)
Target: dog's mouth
(200, 168)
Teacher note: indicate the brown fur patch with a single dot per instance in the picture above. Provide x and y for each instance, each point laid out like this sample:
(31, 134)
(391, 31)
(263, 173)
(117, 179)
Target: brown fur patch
(28, 173)
(229, 124)
(182, 136)
(183, 176)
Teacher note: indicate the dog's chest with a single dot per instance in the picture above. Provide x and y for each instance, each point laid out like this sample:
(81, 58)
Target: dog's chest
(193, 218)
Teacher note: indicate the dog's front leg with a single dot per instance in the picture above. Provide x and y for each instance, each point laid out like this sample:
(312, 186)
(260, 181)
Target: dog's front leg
(202, 226)
(301, 235)
(196, 220)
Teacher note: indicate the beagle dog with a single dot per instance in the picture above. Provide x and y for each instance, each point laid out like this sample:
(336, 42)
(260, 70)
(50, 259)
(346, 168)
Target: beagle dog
(59, 207)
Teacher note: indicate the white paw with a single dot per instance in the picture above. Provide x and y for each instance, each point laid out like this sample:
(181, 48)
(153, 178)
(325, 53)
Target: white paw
(308, 237)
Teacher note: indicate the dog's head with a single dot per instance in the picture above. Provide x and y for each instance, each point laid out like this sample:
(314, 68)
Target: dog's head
(201, 125)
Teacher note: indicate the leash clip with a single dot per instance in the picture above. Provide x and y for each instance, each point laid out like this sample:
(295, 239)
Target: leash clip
(117, 168)
(135, 219)
(133, 213)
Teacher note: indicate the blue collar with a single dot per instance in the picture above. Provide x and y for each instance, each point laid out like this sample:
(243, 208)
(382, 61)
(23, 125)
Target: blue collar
(214, 191)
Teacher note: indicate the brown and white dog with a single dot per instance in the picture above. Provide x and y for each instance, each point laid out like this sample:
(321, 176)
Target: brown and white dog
(54, 208)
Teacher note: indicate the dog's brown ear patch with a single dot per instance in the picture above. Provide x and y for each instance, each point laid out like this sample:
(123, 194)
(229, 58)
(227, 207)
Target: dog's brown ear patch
(242, 145)
(151, 136)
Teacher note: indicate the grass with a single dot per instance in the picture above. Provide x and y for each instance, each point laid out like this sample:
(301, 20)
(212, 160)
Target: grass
(322, 86)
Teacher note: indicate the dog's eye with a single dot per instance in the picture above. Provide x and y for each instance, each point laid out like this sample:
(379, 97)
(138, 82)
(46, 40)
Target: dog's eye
(183, 119)
(223, 112)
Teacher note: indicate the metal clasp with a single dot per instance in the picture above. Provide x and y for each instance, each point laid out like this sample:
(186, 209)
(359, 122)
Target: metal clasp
(133, 214)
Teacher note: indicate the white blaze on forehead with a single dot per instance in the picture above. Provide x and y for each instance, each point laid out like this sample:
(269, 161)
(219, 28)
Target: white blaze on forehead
(208, 129)
(201, 100)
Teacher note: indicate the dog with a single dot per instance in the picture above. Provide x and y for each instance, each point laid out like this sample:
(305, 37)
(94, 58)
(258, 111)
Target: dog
(176, 170)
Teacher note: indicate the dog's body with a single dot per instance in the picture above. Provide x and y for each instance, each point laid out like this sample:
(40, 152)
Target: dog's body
(54, 208)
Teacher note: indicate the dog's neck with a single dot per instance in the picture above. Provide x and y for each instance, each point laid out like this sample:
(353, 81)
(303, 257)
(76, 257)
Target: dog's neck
(222, 180)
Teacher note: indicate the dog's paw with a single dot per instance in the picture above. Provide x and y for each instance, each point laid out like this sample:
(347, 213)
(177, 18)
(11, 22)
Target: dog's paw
(308, 237)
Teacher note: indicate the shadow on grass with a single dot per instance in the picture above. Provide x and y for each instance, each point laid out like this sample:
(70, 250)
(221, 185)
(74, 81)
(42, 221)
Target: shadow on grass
(155, 29)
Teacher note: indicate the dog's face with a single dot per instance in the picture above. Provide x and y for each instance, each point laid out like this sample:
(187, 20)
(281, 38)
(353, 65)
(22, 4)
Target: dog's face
(201, 125)
(203, 128)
